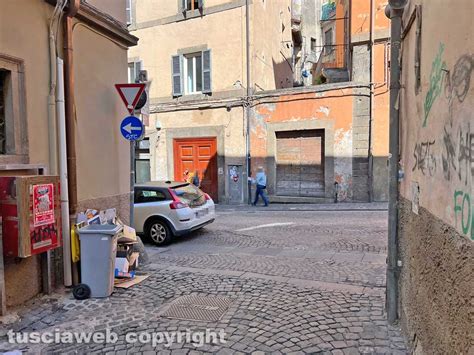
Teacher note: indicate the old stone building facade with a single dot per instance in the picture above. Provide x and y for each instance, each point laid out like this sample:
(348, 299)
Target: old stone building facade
(208, 113)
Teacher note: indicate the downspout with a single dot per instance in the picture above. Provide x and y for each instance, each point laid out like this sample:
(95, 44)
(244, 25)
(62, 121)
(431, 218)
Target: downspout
(371, 104)
(67, 133)
(52, 129)
(395, 16)
(247, 101)
(63, 175)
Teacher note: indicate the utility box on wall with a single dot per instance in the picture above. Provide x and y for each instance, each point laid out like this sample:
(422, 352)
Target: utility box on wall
(30, 210)
(235, 183)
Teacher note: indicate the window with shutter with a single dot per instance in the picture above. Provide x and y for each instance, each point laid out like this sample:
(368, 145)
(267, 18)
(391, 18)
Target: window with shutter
(192, 73)
(206, 72)
(176, 69)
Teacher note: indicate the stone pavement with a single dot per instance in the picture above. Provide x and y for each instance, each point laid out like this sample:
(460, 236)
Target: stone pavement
(298, 282)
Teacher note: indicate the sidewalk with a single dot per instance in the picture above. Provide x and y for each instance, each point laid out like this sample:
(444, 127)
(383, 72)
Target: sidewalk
(356, 206)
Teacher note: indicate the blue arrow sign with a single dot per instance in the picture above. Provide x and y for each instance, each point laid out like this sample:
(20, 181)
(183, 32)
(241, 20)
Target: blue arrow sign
(131, 128)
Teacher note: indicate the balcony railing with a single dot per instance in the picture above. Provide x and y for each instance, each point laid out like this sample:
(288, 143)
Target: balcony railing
(334, 56)
(331, 57)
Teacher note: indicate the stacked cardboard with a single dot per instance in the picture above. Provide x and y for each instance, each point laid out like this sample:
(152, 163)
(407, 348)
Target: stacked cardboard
(126, 260)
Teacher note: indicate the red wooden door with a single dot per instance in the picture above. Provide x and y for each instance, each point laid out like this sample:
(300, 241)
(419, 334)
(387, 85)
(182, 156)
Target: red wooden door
(197, 154)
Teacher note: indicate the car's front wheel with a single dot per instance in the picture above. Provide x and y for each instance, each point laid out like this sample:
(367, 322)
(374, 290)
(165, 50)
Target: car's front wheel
(158, 232)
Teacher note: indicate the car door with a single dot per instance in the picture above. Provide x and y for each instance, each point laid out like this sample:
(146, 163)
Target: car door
(149, 202)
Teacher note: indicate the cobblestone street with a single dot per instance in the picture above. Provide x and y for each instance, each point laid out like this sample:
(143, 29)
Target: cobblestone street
(298, 281)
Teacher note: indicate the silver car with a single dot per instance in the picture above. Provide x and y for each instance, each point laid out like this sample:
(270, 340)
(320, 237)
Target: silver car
(166, 209)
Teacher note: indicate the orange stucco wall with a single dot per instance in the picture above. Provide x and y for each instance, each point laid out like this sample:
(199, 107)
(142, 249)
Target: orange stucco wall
(330, 110)
(360, 19)
(381, 102)
(291, 108)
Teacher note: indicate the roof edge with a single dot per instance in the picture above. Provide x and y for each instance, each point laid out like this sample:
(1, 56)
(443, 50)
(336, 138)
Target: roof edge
(103, 23)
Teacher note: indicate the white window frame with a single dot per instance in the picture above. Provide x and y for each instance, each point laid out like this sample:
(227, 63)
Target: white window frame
(187, 57)
(135, 63)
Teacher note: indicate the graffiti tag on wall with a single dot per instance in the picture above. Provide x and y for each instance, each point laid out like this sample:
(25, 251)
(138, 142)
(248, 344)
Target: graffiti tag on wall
(459, 82)
(450, 155)
(436, 81)
(43, 236)
(458, 153)
(425, 159)
(464, 212)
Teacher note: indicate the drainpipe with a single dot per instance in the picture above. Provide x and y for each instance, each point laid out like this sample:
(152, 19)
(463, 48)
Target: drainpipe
(394, 11)
(247, 101)
(67, 130)
(371, 103)
(63, 175)
(52, 129)
(72, 9)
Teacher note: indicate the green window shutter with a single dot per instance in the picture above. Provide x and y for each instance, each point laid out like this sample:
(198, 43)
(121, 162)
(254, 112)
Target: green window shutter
(206, 72)
(177, 75)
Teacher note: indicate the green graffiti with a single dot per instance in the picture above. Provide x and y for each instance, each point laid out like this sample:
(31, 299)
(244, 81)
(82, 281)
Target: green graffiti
(472, 228)
(436, 81)
(463, 207)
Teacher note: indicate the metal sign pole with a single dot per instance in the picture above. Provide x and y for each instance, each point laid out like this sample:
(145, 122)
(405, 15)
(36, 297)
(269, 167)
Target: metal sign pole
(132, 180)
(131, 128)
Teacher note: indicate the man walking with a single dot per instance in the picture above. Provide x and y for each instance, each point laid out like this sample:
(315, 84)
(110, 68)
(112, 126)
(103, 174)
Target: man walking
(261, 182)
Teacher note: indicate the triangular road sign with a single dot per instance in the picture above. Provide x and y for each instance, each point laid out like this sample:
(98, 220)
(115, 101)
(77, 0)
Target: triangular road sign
(130, 94)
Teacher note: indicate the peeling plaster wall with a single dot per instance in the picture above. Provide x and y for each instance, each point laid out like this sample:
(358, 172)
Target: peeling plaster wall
(437, 157)
(343, 163)
(335, 111)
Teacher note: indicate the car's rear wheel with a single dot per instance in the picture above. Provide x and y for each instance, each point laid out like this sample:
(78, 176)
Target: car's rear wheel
(159, 232)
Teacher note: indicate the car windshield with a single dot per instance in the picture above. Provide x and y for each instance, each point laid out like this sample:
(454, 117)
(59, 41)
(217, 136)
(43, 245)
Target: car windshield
(190, 195)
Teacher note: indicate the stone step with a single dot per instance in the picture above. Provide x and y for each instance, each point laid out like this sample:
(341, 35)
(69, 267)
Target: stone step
(298, 199)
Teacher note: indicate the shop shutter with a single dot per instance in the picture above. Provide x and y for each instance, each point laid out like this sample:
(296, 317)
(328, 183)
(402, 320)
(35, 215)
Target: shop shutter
(300, 163)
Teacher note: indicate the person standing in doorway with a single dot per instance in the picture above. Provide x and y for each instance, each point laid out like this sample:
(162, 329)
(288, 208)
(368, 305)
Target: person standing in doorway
(261, 182)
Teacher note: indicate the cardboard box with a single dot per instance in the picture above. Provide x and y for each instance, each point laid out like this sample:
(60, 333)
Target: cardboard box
(122, 264)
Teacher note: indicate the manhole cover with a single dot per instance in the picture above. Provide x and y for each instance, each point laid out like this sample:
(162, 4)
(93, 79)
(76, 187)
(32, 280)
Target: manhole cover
(209, 309)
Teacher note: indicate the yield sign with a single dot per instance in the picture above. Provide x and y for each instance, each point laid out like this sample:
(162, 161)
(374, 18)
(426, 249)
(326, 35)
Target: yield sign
(130, 94)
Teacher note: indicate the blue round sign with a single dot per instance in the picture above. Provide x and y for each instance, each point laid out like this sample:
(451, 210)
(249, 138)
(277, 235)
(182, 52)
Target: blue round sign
(131, 128)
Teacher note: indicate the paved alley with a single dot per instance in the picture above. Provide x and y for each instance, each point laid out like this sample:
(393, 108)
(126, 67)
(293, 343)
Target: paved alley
(301, 280)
